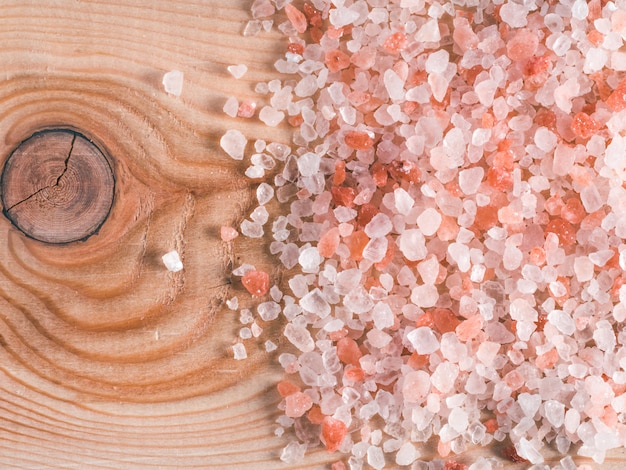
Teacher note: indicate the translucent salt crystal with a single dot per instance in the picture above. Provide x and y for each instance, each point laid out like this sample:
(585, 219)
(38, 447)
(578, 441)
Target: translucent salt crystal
(379, 226)
(595, 60)
(407, 454)
(583, 268)
(562, 321)
(306, 87)
(423, 340)
(512, 258)
(231, 106)
(300, 337)
(251, 229)
(260, 215)
(239, 351)
(237, 71)
(377, 338)
(563, 160)
(233, 142)
(554, 412)
(437, 62)
(172, 261)
(425, 296)
(293, 452)
(487, 352)
(564, 93)
(580, 10)
(527, 450)
(470, 179)
(604, 336)
(394, 85)
(428, 270)
(458, 419)
(444, 376)
(245, 333)
(403, 201)
(233, 304)
(428, 32)
(545, 139)
(412, 244)
(383, 316)
(438, 85)
(173, 82)
(252, 28)
(486, 91)
(342, 16)
(461, 255)
(315, 302)
(375, 457)
(514, 14)
(529, 404)
(310, 260)
(256, 330)
(268, 310)
(375, 249)
(271, 117)
(270, 346)
(264, 193)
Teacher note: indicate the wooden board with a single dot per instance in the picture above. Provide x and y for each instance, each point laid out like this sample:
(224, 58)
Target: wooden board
(109, 361)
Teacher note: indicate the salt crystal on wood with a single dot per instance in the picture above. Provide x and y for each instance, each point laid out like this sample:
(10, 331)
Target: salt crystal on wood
(239, 351)
(173, 82)
(172, 261)
(233, 142)
(237, 71)
(231, 106)
(271, 117)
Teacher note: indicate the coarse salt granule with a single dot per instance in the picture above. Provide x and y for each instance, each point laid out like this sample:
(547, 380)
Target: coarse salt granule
(233, 142)
(237, 71)
(239, 351)
(173, 82)
(172, 261)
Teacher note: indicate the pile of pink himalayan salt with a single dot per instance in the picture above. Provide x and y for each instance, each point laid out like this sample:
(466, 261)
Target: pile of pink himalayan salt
(454, 227)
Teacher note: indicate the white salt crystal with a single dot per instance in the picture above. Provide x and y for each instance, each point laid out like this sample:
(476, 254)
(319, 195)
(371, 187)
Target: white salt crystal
(383, 316)
(580, 9)
(407, 454)
(438, 85)
(514, 14)
(268, 311)
(529, 404)
(403, 201)
(487, 352)
(379, 226)
(563, 322)
(260, 215)
(233, 142)
(264, 193)
(583, 268)
(375, 457)
(486, 91)
(237, 71)
(233, 304)
(310, 260)
(545, 139)
(425, 295)
(375, 249)
(429, 32)
(444, 376)
(245, 333)
(437, 62)
(377, 338)
(300, 337)
(315, 302)
(554, 412)
(251, 229)
(172, 261)
(618, 61)
(394, 85)
(604, 336)
(231, 106)
(342, 16)
(173, 82)
(270, 346)
(428, 270)
(412, 244)
(527, 450)
(595, 60)
(470, 179)
(512, 257)
(293, 452)
(423, 340)
(564, 93)
(461, 256)
(591, 199)
(239, 351)
(256, 330)
(458, 419)
(271, 117)
(563, 162)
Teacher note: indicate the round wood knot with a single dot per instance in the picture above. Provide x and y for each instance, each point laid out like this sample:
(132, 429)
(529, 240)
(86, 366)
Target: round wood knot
(57, 187)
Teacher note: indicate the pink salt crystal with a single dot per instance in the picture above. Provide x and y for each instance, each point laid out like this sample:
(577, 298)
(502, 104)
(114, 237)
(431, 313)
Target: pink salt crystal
(469, 328)
(296, 17)
(262, 9)
(246, 109)
(395, 43)
(523, 45)
(228, 233)
(297, 404)
(358, 140)
(416, 386)
(336, 60)
(328, 243)
(333, 433)
(256, 282)
(463, 35)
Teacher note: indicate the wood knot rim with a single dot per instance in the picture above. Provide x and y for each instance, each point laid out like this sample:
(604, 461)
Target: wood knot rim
(57, 187)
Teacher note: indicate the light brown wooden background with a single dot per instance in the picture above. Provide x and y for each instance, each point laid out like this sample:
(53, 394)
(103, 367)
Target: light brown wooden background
(107, 361)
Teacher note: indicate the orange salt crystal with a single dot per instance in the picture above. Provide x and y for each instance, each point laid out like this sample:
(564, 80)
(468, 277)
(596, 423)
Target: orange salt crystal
(523, 45)
(379, 174)
(335, 33)
(487, 121)
(395, 43)
(486, 217)
(584, 126)
(228, 233)
(354, 373)
(358, 140)
(256, 282)
(343, 196)
(364, 58)
(547, 360)
(328, 243)
(454, 465)
(337, 335)
(609, 417)
(425, 319)
(315, 415)
(448, 229)
(595, 37)
(340, 172)
(356, 244)
(443, 448)
(296, 17)
(491, 425)
(617, 99)
(286, 388)
(313, 15)
(554, 205)
(405, 170)
(537, 256)
(336, 60)
(389, 255)
(564, 230)
(348, 351)
(366, 213)
(445, 320)
(469, 328)
(333, 433)
(573, 211)
(295, 48)
(297, 404)
(338, 466)
(499, 179)
(463, 34)
(316, 34)
(417, 361)
(546, 118)
(295, 121)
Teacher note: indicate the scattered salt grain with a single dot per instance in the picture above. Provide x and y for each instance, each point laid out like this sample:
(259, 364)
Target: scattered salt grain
(231, 106)
(172, 261)
(239, 351)
(173, 82)
(233, 142)
(237, 71)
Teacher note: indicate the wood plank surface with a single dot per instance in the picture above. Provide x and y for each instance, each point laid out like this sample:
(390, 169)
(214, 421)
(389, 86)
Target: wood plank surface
(108, 360)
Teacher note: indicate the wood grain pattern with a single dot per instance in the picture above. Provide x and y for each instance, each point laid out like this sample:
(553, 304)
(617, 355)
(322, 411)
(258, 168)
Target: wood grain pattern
(108, 361)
